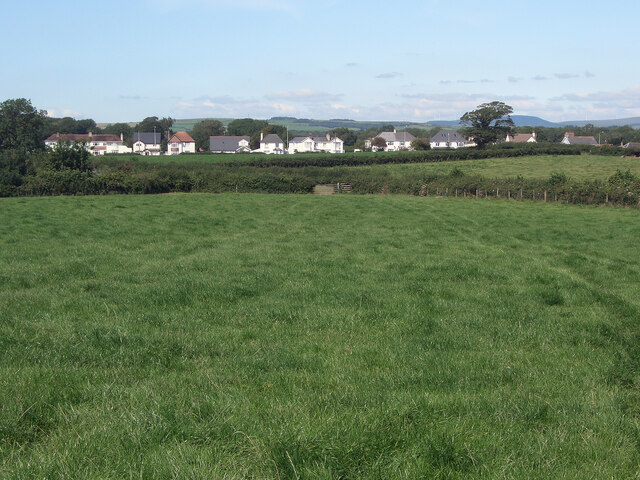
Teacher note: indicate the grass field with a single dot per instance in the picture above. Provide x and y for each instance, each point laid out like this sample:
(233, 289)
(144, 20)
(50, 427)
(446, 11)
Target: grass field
(256, 336)
(577, 167)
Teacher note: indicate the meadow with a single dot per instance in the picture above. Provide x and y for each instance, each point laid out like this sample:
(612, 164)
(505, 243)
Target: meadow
(297, 336)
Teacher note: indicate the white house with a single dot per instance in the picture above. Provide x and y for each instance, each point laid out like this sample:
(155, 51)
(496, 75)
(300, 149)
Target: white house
(181, 142)
(326, 144)
(522, 138)
(228, 144)
(571, 139)
(448, 139)
(147, 143)
(395, 141)
(272, 143)
(100, 144)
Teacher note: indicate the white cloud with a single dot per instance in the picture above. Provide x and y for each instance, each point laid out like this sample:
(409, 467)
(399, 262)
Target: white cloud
(56, 112)
(304, 95)
(389, 75)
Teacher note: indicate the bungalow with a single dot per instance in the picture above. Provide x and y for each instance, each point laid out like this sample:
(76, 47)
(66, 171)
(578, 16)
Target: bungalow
(147, 143)
(272, 143)
(229, 144)
(181, 142)
(395, 141)
(571, 139)
(99, 144)
(326, 144)
(448, 139)
(522, 138)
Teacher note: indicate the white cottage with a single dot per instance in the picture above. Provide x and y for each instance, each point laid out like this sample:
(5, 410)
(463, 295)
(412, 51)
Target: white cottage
(326, 144)
(448, 139)
(272, 143)
(181, 142)
(147, 143)
(100, 144)
(395, 141)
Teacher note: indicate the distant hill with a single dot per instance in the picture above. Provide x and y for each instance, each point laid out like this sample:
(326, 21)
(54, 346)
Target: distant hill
(631, 121)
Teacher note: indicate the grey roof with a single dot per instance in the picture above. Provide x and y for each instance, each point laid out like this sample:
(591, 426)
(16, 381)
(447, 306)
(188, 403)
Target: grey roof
(225, 143)
(448, 136)
(315, 139)
(396, 136)
(297, 139)
(573, 140)
(271, 138)
(148, 138)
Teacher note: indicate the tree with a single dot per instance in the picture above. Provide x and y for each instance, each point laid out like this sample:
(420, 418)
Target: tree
(120, 128)
(151, 124)
(379, 142)
(421, 144)
(72, 156)
(21, 126)
(246, 126)
(205, 129)
(488, 123)
(347, 136)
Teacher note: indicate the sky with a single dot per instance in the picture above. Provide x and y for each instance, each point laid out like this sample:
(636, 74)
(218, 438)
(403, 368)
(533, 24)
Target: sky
(413, 60)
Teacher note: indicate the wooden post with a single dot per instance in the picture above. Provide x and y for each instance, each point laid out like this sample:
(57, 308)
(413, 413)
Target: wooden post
(476, 192)
(520, 194)
(447, 192)
(509, 194)
(607, 200)
(545, 195)
(498, 192)
(456, 193)
(465, 194)
(437, 191)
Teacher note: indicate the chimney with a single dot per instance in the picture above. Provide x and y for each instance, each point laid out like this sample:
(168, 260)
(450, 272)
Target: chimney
(534, 134)
(261, 136)
(121, 137)
(328, 136)
(394, 130)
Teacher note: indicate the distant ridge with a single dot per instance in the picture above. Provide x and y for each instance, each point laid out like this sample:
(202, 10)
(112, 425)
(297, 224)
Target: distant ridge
(531, 121)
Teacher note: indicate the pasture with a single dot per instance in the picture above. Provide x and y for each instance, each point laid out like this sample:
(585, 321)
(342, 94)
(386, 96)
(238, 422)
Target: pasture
(264, 336)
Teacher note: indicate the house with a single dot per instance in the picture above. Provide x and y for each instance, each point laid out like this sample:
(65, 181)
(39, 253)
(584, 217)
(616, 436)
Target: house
(634, 145)
(326, 144)
(272, 143)
(229, 144)
(395, 141)
(522, 138)
(147, 143)
(571, 139)
(99, 144)
(448, 139)
(181, 142)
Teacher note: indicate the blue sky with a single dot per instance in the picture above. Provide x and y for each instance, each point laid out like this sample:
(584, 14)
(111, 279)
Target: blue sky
(367, 60)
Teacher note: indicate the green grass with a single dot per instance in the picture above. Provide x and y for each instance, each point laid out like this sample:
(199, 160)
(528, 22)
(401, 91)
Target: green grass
(255, 336)
(576, 167)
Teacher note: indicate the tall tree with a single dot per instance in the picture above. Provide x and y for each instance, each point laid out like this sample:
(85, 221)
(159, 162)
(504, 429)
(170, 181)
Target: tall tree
(120, 128)
(246, 126)
(277, 129)
(205, 129)
(488, 122)
(151, 124)
(21, 126)
(346, 135)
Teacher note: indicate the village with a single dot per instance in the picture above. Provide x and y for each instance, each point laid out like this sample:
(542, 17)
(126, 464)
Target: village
(150, 143)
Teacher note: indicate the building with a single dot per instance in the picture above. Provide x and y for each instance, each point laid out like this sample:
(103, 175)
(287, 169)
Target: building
(522, 138)
(229, 144)
(395, 141)
(448, 139)
(271, 144)
(147, 143)
(181, 142)
(99, 144)
(326, 144)
(634, 145)
(571, 139)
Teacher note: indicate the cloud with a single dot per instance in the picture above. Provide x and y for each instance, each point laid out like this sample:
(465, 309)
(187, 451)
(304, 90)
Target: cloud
(56, 112)
(627, 96)
(565, 76)
(464, 81)
(389, 75)
(588, 74)
(131, 97)
(514, 79)
(304, 95)
(352, 64)
(540, 78)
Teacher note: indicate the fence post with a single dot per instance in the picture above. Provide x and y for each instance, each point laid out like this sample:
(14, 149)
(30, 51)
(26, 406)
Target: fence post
(476, 192)
(509, 194)
(498, 192)
(520, 194)
(545, 195)
(456, 193)
(446, 194)
(607, 200)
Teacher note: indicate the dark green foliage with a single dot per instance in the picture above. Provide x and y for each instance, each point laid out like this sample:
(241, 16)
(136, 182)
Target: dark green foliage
(68, 156)
(246, 126)
(347, 135)
(421, 144)
(121, 128)
(21, 126)
(488, 123)
(205, 129)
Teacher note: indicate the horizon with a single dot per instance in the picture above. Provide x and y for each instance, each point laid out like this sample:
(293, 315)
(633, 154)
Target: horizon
(429, 62)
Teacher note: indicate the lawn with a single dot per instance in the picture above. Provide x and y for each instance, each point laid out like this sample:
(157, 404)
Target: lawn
(576, 167)
(257, 336)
